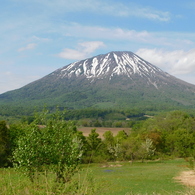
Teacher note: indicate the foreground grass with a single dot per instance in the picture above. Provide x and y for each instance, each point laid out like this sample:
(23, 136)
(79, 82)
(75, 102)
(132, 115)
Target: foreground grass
(141, 178)
(103, 179)
(15, 183)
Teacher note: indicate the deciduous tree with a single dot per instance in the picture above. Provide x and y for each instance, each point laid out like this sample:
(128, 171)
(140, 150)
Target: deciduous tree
(52, 146)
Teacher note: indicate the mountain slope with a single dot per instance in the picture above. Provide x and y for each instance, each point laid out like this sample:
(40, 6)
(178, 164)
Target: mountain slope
(116, 79)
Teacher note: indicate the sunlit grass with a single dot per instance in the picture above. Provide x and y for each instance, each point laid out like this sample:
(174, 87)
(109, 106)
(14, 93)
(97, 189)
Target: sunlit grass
(14, 183)
(142, 178)
(121, 178)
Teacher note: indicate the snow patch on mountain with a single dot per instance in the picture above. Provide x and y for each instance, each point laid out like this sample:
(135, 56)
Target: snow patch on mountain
(112, 64)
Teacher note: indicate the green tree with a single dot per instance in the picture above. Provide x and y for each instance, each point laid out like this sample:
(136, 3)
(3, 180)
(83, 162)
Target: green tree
(113, 147)
(4, 145)
(16, 131)
(121, 136)
(93, 140)
(95, 148)
(114, 150)
(147, 149)
(130, 147)
(182, 143)
(97, 123)
(52, 146)
(109, 138)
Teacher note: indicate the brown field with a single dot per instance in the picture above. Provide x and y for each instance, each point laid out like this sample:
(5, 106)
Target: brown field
(101, 130)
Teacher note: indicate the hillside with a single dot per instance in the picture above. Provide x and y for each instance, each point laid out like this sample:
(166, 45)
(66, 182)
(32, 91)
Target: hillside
(113, 80)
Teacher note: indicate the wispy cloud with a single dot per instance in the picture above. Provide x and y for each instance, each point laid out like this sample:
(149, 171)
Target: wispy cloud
(150, 13)
(28, 47)
(178, 62)
(82, 51)
(170, 40)
(119, 9)
(40, 39)
(77, 30)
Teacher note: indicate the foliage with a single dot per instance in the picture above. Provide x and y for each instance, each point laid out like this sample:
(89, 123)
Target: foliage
(172, 133)
(108, 138)
(52, 146)
(169, 134)
(91, 117)
(4, 144)
(121, 136)
(147, 149)
(130, 148)
(93, 140)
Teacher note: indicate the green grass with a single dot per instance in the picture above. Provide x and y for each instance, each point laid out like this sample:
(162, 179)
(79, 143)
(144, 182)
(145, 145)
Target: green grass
(129, 179)
(141, 178)
(14, 183)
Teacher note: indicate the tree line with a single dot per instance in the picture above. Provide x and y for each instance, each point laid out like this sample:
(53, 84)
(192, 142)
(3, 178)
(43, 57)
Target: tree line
(26, 114)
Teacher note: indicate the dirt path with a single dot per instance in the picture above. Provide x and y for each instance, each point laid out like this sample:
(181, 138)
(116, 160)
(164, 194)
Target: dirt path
(187, 178)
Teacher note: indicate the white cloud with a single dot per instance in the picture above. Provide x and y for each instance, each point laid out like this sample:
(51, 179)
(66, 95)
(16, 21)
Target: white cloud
(41, 39)
(171, 40)
(178, 62)
(119, 9)
(28, 47)
(150, 13)
(115, 34)
(130, 10)
(83, 50)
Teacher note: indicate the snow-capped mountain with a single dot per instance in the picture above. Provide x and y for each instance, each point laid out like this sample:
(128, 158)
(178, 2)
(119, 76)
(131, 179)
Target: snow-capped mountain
(115, 79)
(108, 65)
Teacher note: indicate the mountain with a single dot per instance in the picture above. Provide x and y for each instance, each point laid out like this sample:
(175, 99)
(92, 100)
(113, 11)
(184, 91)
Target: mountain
(112, 80)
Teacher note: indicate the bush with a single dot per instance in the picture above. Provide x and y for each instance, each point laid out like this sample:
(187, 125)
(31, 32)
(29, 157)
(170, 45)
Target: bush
(53, 146)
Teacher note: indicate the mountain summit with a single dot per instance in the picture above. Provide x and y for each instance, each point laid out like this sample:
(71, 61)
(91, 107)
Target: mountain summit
(110, 65)
(115, 79)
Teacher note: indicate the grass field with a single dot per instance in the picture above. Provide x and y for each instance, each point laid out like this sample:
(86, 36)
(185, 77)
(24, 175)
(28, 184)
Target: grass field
(122, 178)
(102, 130)
(142, 178)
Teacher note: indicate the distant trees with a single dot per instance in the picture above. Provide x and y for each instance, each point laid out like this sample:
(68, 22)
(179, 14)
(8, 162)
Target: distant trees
(172, 134)
(169, 134)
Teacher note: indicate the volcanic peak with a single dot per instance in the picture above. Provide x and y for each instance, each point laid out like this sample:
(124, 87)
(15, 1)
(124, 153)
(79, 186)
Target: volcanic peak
(109, 65)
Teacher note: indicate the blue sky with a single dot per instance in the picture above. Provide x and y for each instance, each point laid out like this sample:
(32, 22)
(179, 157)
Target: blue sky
(40, 36)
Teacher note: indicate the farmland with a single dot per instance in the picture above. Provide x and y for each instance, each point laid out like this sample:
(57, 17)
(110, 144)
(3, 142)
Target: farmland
(101, 130)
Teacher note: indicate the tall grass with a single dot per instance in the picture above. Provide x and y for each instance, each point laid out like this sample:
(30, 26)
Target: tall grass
(15, 183)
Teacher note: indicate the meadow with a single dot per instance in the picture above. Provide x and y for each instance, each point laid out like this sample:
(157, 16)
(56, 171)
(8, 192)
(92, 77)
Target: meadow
(148, 159)
(114, 178)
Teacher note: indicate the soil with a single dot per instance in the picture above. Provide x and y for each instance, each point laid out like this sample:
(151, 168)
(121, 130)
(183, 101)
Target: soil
(101, 130)
(187, 178)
